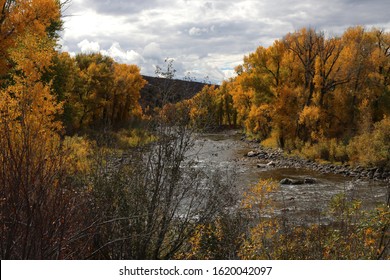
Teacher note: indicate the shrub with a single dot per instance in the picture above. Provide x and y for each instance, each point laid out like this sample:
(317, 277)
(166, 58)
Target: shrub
(372, 148)
(79, 151)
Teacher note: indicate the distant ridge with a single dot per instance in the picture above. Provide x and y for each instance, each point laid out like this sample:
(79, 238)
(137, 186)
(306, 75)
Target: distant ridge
(161, 90)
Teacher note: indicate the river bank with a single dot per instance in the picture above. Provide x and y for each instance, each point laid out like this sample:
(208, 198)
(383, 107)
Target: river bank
(277, 158)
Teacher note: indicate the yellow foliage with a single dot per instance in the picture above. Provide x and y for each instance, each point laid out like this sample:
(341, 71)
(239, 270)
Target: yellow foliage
(126, 93)
(105, 92)
(79, 151)
(133, 138)
(272, 141)
(258, 121)
(20, 17)
(309, 116)
(259, 196)
(372, 148)
(203, 112)
(242, 99)
(308, 88)
(259, 204)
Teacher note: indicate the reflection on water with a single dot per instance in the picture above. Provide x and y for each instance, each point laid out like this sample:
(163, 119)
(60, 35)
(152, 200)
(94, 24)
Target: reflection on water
(306, 202)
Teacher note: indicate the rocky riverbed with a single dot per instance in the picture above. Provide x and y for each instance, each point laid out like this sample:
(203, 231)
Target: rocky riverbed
(276, 158)
(306, 187)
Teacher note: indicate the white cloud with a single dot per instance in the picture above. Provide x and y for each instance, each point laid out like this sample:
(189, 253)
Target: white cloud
(208, 38)
(122, 56)
(195, 31)
(152, 51)
(88, 47)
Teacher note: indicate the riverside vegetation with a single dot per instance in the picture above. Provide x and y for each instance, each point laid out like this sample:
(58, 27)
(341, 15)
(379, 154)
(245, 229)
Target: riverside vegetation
(87, 173)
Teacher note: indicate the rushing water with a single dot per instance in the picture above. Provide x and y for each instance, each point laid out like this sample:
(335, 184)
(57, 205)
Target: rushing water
(301, 203)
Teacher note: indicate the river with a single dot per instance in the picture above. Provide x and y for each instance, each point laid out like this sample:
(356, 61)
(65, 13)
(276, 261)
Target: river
(303, 203)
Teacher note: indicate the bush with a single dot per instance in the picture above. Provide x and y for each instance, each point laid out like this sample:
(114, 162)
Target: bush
(372, 148)
(329, 150)
(128, 138)
(79, 151)
(337, 151)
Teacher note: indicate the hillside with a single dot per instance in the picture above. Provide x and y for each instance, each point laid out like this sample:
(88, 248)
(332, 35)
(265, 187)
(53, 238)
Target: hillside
(170, 90)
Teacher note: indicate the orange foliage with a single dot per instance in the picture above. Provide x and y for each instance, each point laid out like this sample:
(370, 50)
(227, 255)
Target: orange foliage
(307, 88)
(20, 17)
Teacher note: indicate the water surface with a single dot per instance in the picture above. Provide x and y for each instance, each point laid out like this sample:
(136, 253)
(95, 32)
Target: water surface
(300, 203)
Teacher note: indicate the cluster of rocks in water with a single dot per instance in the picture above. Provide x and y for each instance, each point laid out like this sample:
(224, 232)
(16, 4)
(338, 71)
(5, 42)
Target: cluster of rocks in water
(268, 158)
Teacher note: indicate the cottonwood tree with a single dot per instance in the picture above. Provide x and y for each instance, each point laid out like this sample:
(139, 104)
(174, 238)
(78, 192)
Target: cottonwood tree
(18, 18)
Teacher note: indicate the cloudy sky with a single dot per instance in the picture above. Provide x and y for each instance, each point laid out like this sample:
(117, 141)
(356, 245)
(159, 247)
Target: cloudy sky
(205, 38)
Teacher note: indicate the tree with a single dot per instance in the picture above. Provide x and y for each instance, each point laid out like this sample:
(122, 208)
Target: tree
(104, 93)
(124, 103)
(227, 115)
(305, 45)
(204, 109)
(63, 75)
(19, 17)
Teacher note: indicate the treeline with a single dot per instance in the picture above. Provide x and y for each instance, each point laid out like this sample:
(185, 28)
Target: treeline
(326, 97)
(95, 91)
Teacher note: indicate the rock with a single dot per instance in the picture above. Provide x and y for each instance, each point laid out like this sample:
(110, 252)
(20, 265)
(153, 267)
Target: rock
(271, 164)
(261, 165)
(309, 181)
(252, 154)
(285, 181)
(288, 181)
(298, 182)
(342, 171)
(262, 155)
(377, 174)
